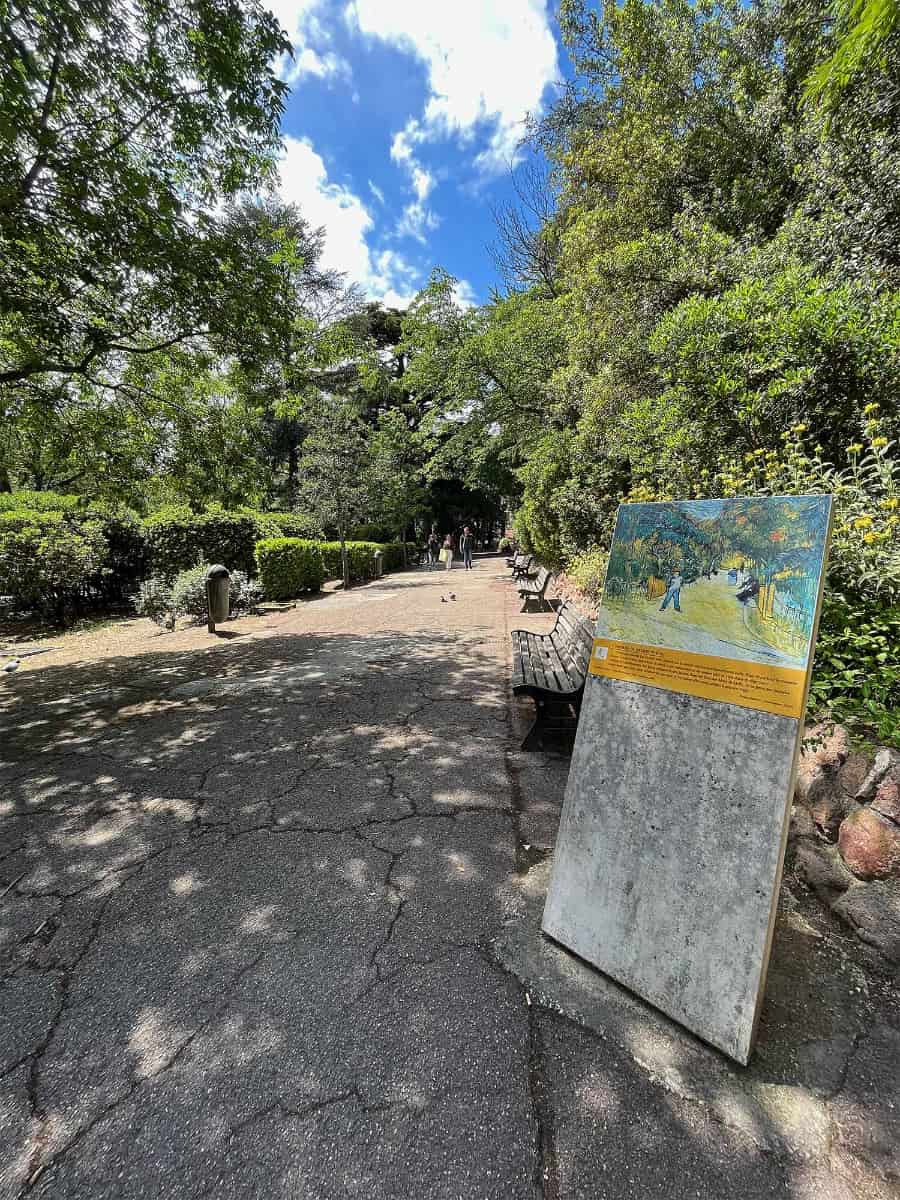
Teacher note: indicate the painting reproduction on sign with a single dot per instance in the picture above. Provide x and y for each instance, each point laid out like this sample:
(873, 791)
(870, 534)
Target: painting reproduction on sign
(716, 598)
(668, 860)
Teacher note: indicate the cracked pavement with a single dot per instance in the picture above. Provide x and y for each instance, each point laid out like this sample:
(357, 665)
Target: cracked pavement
(269, 919)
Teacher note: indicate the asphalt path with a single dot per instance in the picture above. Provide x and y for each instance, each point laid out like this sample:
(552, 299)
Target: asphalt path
(269, 924)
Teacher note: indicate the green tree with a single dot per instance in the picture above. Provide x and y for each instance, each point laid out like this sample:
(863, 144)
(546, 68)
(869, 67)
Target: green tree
(864, 31)
(396, 462)
(122, 124)
(336, 478)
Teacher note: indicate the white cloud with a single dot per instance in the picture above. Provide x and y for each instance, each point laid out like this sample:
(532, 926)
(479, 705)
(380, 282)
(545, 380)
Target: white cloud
(310, 40)
(417, 218)
(416, 221)
(376, 192)
(487, 61)
(384, 275)
(464, 294)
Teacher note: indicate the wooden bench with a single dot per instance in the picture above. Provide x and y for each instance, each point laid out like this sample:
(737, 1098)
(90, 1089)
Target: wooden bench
(533, 591)
(527, 568)
(552, 668)
(514, 558)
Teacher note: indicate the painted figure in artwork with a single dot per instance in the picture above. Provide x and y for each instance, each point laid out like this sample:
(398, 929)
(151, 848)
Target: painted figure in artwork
(673, 592)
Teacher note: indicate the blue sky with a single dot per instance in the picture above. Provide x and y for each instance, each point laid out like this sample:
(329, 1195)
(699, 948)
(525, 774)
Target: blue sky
(403, 122)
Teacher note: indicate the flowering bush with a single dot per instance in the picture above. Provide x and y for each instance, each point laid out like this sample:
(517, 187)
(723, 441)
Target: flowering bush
(856, 675)
(588, 570)
(865, 544)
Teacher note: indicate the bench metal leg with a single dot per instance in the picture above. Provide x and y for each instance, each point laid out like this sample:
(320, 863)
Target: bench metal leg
(534, 739)
(550, 718)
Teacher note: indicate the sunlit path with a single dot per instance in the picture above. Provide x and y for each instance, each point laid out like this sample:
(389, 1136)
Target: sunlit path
(269, 911)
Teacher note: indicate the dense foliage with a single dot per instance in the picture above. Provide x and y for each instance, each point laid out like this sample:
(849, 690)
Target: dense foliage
(289, 566)
(713, 262)
(703, 259)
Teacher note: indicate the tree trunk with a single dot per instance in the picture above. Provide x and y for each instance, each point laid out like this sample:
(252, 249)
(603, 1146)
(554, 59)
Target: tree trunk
(293, 472)
(345, 560)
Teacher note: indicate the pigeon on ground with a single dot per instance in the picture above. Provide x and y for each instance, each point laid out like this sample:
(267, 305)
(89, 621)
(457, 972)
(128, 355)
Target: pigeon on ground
(453, 595)
(9, 667)
(443, 599)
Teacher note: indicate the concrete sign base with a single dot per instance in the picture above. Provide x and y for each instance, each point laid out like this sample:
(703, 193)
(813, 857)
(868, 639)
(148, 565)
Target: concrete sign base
(669, 855)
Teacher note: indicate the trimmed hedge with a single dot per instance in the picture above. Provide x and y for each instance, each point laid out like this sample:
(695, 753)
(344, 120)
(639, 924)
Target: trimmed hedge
(39, 502)
(360, 554)
(59, 556)
(289, 566)
(62, 552)
(47, 561)
(178, 539)
(393, 555)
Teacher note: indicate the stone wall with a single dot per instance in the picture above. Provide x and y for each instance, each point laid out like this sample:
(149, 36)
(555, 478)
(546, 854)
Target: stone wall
(846, 834)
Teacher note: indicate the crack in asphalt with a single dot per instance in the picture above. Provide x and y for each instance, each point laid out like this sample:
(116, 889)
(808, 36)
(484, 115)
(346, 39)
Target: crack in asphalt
(42, 1159)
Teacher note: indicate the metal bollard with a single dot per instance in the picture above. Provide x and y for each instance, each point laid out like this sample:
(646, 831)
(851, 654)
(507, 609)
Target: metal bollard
(217, 596)
(379, 564)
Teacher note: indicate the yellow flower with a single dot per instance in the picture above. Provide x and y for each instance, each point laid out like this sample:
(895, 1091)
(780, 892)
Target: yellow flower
(856, 448)
(879, 443)
(870, 408)
(870, 538)
(862, 522)
(799, 428)
(890, 505)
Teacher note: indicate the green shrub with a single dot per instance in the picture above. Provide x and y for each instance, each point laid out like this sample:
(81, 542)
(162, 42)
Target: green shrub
(186, 597)
(393, 555)
(293, 525)
(48, 562)
(856, 676)
(189, 592)
(153, 599)
(289, 566)
(39, 502)
(361, 555)
(506, 545)
(126, 559)
(244, 594)
(371, 533)
(178, 539)
(588, 571)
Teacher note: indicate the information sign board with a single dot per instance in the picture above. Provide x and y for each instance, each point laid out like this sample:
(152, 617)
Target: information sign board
(669, 856)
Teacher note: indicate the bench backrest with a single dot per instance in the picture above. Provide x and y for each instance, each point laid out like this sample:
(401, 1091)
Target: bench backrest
(542, 578)
(573, 636)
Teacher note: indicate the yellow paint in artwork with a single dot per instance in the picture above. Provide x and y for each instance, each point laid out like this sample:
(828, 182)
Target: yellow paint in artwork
(655, 588)
(765, 601)
(780, 690)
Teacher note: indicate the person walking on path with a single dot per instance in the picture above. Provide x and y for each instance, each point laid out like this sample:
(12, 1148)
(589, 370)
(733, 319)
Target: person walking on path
(447, 552)
(433, 547)
(673, 592)
(466, 545)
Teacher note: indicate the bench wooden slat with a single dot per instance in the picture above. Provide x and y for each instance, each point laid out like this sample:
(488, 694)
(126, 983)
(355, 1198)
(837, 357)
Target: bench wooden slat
(552, 667)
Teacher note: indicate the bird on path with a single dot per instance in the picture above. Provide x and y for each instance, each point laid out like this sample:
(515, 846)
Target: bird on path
(443, 599)
(453, 595)
(11, 666)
